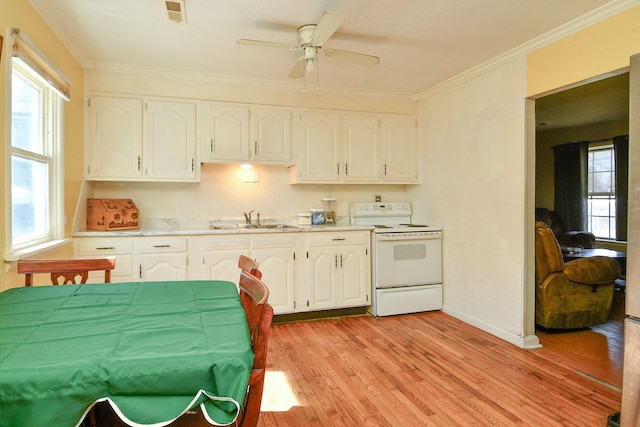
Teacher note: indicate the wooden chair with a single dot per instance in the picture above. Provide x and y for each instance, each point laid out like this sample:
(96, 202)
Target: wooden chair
(259, 316)
(249, 265)
(67, 269)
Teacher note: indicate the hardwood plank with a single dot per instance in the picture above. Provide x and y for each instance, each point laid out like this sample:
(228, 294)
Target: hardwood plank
(422, 369)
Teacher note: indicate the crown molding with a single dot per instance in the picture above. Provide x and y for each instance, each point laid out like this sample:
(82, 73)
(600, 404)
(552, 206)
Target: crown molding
(239, 81)
(597, 15)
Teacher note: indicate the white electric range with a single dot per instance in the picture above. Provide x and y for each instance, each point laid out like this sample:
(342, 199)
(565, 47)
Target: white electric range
(406, 259)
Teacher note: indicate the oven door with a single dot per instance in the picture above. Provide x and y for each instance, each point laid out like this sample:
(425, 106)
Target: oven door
(405, 261)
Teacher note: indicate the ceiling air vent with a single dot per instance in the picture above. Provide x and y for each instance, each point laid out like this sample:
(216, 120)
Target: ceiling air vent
(175, 11)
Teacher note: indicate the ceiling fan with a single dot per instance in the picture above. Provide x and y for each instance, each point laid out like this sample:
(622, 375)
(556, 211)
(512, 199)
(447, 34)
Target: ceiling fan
(311, 38)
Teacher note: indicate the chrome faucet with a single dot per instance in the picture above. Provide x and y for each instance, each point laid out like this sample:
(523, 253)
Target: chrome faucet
(247, 217)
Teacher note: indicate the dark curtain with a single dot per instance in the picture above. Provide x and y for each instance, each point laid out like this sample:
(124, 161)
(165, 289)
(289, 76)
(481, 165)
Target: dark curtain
(570, 198)
(621, 150)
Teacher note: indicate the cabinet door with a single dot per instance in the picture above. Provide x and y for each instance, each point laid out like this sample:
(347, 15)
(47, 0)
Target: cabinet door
(276, 266)
(271, 135)
(354, 275)
(162, 267)
(115, 138)
(222, 265)
(320, 137)
(400, 156)
(227, 136)
(360, 148)
(323, 278)
(170, 151)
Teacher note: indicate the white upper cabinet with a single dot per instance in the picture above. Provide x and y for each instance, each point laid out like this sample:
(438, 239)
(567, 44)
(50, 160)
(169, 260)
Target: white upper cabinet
(360, 150)
(133, 139)
(236, 134)
(115, 138)
(319, 145)
(271, 135)
(400, 153)
(227, 137)
(355, 148)
(170, 146)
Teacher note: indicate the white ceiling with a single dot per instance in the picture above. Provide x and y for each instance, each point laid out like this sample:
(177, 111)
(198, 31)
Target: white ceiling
(420, 42)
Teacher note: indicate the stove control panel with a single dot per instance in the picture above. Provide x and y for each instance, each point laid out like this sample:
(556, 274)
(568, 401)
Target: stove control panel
(420, 235)
(381, 209)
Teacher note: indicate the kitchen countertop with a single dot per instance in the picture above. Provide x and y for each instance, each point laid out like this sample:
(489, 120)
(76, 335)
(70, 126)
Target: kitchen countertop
(175, 227)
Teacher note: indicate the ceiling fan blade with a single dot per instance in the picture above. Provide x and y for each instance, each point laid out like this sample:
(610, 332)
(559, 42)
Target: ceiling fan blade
(267, 44)
(353, 57)
(298, 69)
(328, 25)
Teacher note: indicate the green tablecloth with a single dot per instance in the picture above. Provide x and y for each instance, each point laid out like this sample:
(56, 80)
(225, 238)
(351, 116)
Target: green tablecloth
(152, 349)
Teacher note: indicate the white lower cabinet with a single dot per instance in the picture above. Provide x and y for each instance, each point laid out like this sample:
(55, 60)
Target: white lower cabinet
(337, 266)
(304, 271)
(120, 247)
(160, 259)
(216, 257)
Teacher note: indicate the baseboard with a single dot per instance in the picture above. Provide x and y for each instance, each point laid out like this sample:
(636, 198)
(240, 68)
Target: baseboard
(527, 342)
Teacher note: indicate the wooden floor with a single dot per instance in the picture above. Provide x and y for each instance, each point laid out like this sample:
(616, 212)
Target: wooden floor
(596, 351)
(420, 369)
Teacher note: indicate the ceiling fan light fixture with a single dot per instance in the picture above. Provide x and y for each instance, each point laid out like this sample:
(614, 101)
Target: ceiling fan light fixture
(310, 64)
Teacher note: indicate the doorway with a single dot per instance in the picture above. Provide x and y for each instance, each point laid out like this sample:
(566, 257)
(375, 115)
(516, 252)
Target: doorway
(596, 111)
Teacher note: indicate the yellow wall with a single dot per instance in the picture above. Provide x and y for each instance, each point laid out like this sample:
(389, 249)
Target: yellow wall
(600, 49)
(20, 14)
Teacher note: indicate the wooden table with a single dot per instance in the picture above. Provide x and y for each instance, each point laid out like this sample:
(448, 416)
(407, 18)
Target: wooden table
(152, 350)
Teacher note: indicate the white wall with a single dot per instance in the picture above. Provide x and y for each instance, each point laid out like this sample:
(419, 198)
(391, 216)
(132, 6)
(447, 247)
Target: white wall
(473, 160)
(222, 193)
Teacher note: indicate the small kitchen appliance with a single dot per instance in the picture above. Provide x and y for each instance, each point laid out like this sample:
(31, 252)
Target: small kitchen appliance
(406, 263)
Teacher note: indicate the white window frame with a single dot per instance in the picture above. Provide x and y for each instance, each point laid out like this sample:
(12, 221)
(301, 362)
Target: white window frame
(53, 134)
(610, 196)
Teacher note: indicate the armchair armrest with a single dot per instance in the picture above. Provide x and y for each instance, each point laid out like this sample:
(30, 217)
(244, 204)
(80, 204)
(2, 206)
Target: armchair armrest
(596, 270)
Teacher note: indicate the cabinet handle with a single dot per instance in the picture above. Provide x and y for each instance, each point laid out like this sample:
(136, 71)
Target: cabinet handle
(140, 270)
(385, 169)
(193, 164)
(346, 169)
(211, 149)
(340, 260)
(255, 147)
(336, 260)
(338, 168)
(105, 248)
(162, 246)
(139, 163)
(337, 239)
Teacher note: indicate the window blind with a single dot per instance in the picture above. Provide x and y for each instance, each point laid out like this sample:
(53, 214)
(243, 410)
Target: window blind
(26, 52)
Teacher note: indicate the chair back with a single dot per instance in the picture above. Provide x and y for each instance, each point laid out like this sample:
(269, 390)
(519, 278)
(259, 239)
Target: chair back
(67, 269)
(249, 265)
(254, 295)
(548, 253)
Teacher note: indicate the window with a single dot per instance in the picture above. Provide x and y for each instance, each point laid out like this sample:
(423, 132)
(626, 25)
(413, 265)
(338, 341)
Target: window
(601, 195)
(36, 155)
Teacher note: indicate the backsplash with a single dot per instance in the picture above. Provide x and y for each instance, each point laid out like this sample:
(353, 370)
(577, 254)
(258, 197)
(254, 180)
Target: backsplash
(223, 194)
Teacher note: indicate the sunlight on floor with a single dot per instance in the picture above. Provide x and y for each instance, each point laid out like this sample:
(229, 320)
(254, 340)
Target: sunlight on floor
(278, 395)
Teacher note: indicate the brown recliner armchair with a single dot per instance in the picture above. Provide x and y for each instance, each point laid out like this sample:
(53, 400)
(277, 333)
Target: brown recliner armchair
(575, 294)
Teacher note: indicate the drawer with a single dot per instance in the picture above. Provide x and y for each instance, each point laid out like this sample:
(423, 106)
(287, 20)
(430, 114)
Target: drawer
(98, 246)
(338, 238)
(160, 245)
(122, 271)
(276, 240)
(215, 243)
